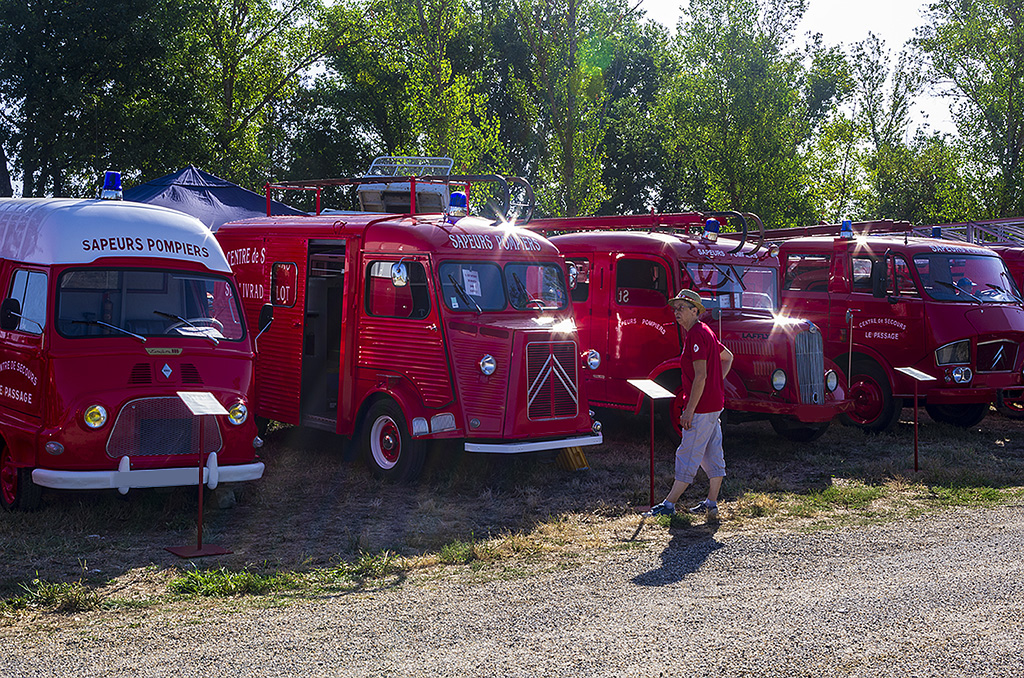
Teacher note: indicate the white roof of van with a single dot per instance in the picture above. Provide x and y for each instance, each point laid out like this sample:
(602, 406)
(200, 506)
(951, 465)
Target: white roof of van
(68, 231)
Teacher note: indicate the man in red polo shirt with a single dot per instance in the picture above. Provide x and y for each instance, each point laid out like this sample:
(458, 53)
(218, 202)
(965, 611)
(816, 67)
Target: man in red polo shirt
(704, 363)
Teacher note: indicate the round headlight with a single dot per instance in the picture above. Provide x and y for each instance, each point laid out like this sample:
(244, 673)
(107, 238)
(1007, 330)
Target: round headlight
(831, 380)
(962, 375)
(778, 380)
(488, 364)
(95, 416)
(593, 359)
(238, 413)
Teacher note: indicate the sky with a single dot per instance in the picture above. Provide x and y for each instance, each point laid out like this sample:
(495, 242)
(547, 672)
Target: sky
(847, 22)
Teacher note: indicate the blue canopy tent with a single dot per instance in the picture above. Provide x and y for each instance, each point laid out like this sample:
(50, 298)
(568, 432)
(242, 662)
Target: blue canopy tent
(210, 199)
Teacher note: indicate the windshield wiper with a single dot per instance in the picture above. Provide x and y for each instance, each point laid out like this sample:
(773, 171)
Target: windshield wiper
(464, 294)
(108, 325)
(957, 290)
(184, 321)
(999, 289)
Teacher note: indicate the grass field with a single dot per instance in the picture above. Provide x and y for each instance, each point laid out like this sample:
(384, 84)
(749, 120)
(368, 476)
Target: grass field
(318, 522)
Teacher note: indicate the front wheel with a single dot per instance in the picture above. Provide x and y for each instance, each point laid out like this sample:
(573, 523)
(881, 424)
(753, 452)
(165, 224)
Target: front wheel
(1012, 408)
(389, 450)
(874, 408)
(17, 491)
(963, 416)
(798, 431)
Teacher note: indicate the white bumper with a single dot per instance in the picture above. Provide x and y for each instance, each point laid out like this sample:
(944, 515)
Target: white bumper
(124, 478)
(534, 445)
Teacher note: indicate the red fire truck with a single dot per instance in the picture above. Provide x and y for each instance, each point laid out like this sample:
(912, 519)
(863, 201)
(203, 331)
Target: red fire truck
(886, 301)
(111, 309)
(401, 328)
(626, 268)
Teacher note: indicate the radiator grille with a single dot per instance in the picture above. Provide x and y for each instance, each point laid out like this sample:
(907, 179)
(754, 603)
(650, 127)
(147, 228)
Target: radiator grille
(997, 356)
(161, 426)
(810, 367)
(551, 380)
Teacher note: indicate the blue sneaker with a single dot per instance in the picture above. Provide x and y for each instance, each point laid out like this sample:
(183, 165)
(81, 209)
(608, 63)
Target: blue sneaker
(661, 509)
(706, 508)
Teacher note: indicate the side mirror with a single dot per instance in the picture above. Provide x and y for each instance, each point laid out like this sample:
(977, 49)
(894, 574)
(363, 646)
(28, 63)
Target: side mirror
(879, 279)
(266, 317)
(10, 314)
(399, 274)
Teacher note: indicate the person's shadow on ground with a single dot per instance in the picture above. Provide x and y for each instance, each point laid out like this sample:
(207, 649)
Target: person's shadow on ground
(685, 552)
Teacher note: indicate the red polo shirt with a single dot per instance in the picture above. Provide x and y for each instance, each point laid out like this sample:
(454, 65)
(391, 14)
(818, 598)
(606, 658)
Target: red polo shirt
(700, 343)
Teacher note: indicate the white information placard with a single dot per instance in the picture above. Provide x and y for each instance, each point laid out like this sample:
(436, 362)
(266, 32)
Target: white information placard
(201, 402)
(651, 388)
(915, 374)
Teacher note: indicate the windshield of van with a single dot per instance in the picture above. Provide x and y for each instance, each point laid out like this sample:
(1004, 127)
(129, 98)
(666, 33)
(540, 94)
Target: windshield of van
(731, 285)
(485, 286)
(93, 302)
(965, 278)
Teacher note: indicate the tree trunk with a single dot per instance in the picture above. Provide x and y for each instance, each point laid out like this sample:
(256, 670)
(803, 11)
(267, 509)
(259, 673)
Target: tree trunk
(6, 190)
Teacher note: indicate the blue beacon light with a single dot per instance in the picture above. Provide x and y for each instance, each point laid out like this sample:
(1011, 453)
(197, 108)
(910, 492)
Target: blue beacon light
(846, 231)
(711, 228)
(111, 186)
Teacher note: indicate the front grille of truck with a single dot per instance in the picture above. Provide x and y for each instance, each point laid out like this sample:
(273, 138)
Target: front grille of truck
(161, 427)
(810, 367)
(551, 379)
(997, 356)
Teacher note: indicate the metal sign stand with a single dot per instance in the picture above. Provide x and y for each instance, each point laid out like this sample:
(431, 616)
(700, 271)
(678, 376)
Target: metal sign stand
(201, 404)
(654, 391)
(918, 376)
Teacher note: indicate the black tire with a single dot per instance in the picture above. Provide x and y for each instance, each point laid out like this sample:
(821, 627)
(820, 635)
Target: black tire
(875, 409)
(962, 416)
(17, 491)
(388, 449)
(1010, 408)
(798, 431)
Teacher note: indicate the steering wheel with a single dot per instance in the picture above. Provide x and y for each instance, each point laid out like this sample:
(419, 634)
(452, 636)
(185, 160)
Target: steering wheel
(540, 302)
(211, 322)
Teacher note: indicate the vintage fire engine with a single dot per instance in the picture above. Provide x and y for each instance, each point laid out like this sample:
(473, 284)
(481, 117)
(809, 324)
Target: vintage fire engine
(110, 310)
(886, 301)
(626, 268)
(398, 327)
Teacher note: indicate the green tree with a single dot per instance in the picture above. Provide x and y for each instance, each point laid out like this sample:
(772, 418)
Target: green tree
(245, 58)
(570, 44)
(79, 91)
(737, 109)
(976, 53)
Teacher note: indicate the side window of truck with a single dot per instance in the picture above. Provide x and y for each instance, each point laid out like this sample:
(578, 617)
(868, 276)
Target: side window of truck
(384, 298)
(582, 289)
(899, 271)
(640, 282)
(29, 288)
(807, 272)
(284, 278)
(862, 274)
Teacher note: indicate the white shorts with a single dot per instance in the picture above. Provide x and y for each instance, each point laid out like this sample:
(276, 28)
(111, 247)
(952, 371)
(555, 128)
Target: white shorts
(701, 447)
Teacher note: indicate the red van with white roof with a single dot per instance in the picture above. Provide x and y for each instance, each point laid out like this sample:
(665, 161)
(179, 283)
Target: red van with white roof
(401, 328)
(109, 310)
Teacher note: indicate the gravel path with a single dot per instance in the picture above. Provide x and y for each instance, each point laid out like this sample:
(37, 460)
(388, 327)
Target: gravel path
(939, 596)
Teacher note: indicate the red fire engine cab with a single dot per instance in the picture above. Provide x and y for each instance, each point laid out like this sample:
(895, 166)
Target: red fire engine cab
(627, 267)
(401, 328)
(948, 309)
(111, 309)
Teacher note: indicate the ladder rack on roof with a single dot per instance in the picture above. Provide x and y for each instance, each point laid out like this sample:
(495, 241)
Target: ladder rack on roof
(859, 228)
(1008, 231)
(406, 166)
(653, 222)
